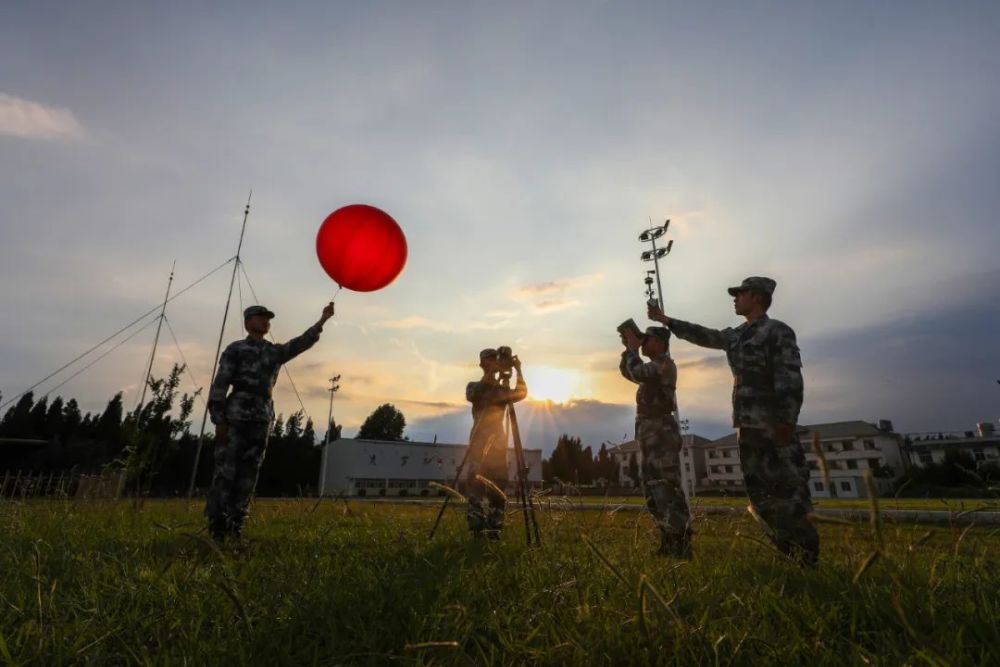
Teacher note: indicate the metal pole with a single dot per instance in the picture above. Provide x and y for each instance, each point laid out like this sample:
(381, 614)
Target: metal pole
(218, 347)
(156, 338)
(656, 265)
(528, 506)
(329, 427)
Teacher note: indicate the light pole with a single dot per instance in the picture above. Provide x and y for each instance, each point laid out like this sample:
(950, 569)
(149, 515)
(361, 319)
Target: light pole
(334, 387)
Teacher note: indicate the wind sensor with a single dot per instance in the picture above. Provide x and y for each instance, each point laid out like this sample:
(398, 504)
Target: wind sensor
(654, 255)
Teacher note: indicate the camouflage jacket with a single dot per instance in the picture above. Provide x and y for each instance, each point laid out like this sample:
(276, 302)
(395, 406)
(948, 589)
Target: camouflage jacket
(767, 368)
(657, 380)
(251, 368)
(488, 403)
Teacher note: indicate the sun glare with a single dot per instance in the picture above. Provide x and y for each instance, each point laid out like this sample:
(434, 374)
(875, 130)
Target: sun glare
(558, 385)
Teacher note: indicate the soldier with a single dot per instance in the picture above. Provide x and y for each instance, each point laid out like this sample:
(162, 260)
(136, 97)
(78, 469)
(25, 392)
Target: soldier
(488, 444)
(658, 435)
(767, 397)
(242, 420)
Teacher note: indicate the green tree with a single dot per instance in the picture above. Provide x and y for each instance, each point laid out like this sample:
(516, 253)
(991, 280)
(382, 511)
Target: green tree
(384, 423)
(54, 418)
(17, 421)
(37, 417)
(152, 433)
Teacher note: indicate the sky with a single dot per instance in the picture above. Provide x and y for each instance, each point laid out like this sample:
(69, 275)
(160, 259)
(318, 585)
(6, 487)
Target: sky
(850, 151)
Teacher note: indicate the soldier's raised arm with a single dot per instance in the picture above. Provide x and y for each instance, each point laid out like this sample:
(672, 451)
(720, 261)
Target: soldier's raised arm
(692, 333)
(299, 344)
(787, 364)
(220, 386)
(520, 390)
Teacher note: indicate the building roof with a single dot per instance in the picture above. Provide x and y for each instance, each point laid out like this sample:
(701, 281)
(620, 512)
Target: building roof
(931, 441)
(633, 446)
(832, 430)
(23, 442)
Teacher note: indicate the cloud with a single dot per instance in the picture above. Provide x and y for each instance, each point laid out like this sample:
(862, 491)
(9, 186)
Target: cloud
(31, 120)
(414, 322)
(553, 295)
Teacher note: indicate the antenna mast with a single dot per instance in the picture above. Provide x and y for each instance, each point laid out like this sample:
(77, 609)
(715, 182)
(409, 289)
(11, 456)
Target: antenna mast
(218, 347)
(156, 338)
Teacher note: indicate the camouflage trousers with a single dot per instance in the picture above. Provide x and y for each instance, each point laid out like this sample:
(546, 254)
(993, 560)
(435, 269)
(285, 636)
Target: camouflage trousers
(777, 482)
(660, 443)
(485, 511)
(237, 463)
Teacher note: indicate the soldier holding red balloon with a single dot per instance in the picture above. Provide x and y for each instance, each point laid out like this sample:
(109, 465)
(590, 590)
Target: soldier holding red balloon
(243, 417)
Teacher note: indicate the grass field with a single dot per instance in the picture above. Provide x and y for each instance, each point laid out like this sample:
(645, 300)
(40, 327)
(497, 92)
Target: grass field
(105, 583)
(957, 505)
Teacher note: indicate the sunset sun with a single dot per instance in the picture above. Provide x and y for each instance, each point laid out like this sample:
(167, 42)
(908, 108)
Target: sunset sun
(558, 385)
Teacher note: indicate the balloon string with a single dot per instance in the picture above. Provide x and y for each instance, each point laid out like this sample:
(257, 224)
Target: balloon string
(337, 292)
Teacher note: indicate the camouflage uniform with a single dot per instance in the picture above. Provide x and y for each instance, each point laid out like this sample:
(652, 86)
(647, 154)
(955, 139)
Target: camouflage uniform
(767, 390)
(488, 453)
(251, 368)
(659, 439)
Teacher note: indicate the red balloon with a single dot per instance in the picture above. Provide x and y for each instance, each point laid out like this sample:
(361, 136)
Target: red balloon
(361, 247)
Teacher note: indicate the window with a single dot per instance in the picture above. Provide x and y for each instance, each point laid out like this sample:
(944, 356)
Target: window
(869, 444)
(845, 486)
(851, 464)
(848, 445)
(687, 467)
(813, 465)
(925, 458)
(818, 486)
(729, 469)
(711, 453)
(979, 454)
(874, 463)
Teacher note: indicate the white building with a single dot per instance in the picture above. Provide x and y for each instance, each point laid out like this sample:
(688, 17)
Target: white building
(379, 468)
(692, 461)
(983, 446)
(849, 448)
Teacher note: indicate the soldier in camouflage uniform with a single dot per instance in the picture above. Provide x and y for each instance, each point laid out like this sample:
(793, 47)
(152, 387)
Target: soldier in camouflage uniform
(243, 418)
(658, 435)
(488, 445)
(767, 397)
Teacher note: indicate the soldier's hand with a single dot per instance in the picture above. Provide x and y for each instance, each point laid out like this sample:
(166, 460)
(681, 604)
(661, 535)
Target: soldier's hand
(654, 313)
(221, 433)
(328, 311)
(517, 363)
(632, 342)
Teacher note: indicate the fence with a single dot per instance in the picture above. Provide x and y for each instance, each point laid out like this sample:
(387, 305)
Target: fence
(22, 485)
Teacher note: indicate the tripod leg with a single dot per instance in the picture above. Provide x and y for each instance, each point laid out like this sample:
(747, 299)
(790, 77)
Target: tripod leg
(454, 485)
(527, 507)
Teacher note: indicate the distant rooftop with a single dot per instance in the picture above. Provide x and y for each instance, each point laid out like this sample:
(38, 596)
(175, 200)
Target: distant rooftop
(831, 430)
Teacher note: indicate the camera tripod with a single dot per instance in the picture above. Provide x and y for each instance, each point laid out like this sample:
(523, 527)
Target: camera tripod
(523, 485)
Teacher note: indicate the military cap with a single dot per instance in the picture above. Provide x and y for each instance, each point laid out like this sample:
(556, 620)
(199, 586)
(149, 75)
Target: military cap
(758, 283)
(487, 353)
(257, 310)
(662, 333)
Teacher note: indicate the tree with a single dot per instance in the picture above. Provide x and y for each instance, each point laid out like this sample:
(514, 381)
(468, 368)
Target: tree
(152, 433)
(54, 418)
(17, 421)
(309, 434)
(384, 423)
(109, 425)
(38, 417)
(333, 431)
(71, 419)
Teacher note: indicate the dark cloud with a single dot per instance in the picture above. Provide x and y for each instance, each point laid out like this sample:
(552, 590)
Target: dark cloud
(933, 370)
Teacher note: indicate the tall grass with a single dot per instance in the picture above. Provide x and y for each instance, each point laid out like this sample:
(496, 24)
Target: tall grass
(360, 584)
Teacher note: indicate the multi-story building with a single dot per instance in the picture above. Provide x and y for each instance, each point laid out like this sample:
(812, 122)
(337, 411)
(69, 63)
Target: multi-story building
(982, 445)
(692, 462)
(849, 448)
(379, 468)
